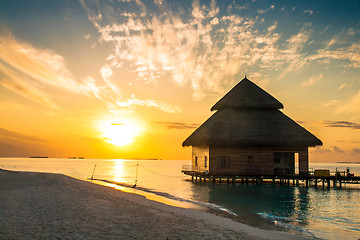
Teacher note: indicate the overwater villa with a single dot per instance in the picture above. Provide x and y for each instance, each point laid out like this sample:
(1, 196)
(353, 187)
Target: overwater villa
(249, 135)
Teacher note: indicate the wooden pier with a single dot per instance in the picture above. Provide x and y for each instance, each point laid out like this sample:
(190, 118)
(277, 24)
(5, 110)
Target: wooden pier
(289, 179)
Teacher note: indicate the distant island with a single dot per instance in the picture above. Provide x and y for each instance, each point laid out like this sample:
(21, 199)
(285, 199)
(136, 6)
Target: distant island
(349, 162)
(38, 157)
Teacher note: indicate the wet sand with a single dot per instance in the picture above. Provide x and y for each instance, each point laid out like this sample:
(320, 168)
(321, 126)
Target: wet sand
(55, 206)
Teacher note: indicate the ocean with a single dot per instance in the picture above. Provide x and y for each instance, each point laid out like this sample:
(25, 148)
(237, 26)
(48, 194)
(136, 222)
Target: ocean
(329, 213)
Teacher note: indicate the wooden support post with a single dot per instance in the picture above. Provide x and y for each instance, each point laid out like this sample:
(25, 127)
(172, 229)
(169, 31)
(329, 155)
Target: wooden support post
(297, 182)
(307, 183)
(323, 183)
(304, 162)
(316, 182)
(192, 178)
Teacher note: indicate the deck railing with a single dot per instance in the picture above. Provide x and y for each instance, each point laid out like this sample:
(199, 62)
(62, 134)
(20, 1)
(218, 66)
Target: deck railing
(195, 169)
(186, 168)
(237, 171)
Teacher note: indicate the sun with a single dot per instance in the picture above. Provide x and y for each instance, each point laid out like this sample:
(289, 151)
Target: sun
(120, 132)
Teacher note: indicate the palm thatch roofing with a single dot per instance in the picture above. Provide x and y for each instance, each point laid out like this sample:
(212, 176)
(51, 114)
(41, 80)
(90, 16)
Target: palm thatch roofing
(247, 94)
(253, 122)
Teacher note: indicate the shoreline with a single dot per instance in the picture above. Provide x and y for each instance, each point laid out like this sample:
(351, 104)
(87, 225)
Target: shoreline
(47, 205)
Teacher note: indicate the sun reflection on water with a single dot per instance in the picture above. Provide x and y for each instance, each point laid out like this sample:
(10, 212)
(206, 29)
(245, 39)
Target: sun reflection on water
(119, 171)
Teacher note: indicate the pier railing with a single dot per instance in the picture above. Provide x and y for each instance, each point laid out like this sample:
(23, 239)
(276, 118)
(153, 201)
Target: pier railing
(232, 171)
(187, 168)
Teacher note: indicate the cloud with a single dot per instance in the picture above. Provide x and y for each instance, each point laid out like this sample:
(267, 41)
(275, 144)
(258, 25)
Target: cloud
(6, 135)
(337, 149)
(262, 11)
(27, 70)
(206, 46)
(311, 80)
(293, 52)
(133, 102)
(350, 106)
(342, 86)
(202, 49)
(341, 124)
(355, 150)
(178, 125)
(349, 54)
(308, 12)
(30, 72)
(320, 149)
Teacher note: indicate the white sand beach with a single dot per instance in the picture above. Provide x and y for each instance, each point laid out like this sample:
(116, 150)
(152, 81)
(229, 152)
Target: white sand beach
(55, 206)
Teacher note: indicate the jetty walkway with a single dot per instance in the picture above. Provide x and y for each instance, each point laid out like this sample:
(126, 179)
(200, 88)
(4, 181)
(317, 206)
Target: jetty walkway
(336, 180)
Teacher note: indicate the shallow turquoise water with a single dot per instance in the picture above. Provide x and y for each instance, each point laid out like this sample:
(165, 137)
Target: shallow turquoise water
(314, 212)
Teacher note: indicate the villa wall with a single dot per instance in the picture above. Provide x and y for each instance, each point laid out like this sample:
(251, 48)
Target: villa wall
(264, 161)
(199, 155)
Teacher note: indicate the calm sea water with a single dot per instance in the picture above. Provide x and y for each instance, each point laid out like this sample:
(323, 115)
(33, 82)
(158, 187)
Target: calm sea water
(314, 212)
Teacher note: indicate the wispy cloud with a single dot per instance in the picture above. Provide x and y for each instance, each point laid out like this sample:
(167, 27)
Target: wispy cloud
(349, 54)
(308, 12)
(204, 48)
(351, 105)
(311, 80)
(335, 149)
(320, 149)
(355, 151)
(26, 70)
(341, 124)
(30, 72)
(261, 11)
(6, 134)
(178, 125)
(133, 102)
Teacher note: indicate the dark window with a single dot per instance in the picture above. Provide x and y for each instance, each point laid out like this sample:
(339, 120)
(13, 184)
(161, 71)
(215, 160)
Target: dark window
(196, 161)
(224, 162)
(205, 161)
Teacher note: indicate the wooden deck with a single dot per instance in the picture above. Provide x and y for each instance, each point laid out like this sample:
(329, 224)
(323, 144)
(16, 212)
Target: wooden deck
(289, 179)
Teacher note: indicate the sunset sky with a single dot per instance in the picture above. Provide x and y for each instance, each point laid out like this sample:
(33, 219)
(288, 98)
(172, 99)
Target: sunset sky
(133, 79)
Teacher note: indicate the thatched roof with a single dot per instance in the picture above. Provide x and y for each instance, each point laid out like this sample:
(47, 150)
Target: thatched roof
(250, 122)
(247, 94)
(251, 127)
